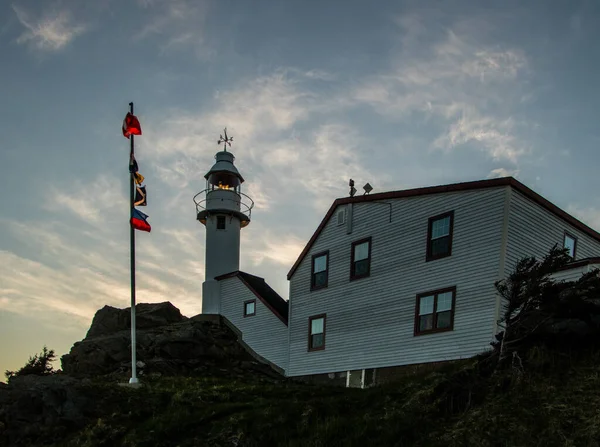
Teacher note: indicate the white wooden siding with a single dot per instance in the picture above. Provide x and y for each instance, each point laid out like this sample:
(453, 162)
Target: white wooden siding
(263, 332)
(574, 274)
(533, 230)
(370, 321)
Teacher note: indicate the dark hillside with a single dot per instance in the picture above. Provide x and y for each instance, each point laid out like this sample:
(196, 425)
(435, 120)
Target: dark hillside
(539, 385)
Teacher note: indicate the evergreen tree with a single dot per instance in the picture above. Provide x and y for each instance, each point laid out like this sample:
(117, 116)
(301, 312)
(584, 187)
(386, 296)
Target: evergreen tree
(39, 365)
(533, 302)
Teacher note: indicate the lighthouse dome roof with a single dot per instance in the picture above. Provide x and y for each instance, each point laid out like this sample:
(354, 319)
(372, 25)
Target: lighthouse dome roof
(224, 164)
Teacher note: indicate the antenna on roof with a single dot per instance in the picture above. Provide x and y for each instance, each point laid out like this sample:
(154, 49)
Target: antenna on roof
(368, 188)
(352, 188)
(225, 140)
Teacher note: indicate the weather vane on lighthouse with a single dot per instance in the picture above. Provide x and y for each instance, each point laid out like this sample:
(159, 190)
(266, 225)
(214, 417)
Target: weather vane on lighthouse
(225, 140)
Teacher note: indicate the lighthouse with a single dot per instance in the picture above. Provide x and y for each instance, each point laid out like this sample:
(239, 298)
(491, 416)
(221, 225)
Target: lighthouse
(224, 210)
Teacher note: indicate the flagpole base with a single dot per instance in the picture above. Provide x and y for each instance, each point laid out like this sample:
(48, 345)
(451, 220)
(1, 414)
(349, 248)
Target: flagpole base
(134, 385)
(134, 380)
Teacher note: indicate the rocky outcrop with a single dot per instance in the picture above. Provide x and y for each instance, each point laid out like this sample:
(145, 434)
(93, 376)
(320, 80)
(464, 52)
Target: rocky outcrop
(109, 320)
(36, 410)
(167, 343)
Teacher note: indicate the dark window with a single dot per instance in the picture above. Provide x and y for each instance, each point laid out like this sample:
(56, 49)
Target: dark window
(439, 236)
(435, 311)
(361, 259)
(220, 222)
(570, 242)
(316, 332)
(249, 308)
(320, 267)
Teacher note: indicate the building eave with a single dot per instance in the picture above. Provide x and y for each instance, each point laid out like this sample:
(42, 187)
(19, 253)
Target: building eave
(580, 263)
(265, 300)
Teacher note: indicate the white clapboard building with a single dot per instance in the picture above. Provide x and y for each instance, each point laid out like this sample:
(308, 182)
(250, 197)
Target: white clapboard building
(387, 280)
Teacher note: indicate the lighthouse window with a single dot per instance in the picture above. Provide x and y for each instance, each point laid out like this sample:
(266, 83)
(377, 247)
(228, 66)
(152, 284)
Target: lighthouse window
(220, 222)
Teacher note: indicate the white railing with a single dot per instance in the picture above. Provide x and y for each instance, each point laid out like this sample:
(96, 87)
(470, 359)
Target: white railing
(244, 202)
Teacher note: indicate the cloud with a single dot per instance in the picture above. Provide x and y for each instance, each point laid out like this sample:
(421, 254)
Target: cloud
(317, 167)
(279, 249)
(52, 32)
(76, 275)
(503, 172)
(458, 82)
(256, 189)
(91, 202)
(495, 137)
(588, 215)
(178, 24)
(279, 161)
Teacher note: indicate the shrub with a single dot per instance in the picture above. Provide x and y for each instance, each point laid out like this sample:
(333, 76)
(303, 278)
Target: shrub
(39, 365)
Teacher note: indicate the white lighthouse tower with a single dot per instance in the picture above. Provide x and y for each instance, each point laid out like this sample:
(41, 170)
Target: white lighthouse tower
(224, 210)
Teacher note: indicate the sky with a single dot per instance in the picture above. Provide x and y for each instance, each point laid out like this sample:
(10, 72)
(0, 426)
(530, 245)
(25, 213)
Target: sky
(399, 94)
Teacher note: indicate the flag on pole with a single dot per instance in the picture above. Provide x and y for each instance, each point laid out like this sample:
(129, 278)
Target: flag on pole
(131, 125)
(140, 196)
(133, 168)
(139, 222)
(139, 178)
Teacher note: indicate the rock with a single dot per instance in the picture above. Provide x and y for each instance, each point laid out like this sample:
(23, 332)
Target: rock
(155, 315)
(109, 320)
(167, 343)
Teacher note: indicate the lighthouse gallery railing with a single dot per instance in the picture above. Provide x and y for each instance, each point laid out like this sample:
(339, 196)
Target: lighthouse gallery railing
(245, 203)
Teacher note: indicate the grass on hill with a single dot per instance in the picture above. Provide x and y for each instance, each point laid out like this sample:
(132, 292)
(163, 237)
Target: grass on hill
(555, 402)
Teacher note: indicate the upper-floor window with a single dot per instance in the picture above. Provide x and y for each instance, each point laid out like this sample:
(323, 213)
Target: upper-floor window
(320, 267)
(439, 236)
(435, 311)
(316, 332)
(570, 243)
(249, 308)
(220, 222)
(360, 266)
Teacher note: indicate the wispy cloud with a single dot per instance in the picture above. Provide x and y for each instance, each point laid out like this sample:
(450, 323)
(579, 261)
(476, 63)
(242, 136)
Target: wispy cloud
(503, 172)
(456, 81)
(588, 215)
(52, 31)
(76, 274)
(279, 249)
(279, 161)
(493, 136)
(90, 201)
(178, 24)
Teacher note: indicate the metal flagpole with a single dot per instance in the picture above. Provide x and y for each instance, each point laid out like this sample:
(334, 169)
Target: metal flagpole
(133, 378)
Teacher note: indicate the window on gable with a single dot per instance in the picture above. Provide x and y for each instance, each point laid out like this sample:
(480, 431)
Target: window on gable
(220, 222)
(570, 243)
(361, 259)
(435, 311)
(249, 308)
(316, 332)
(320, 267)
(341, 216)
(439, 236)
